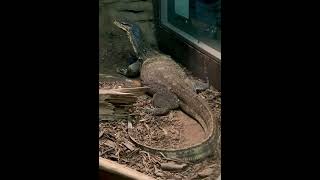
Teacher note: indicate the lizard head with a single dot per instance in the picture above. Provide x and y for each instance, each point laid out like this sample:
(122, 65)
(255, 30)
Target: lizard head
(134, 34)
(124, 25)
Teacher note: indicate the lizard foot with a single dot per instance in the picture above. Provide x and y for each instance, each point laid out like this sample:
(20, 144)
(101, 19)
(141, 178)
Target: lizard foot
(132, 70)
(199, 86)
(122, 71)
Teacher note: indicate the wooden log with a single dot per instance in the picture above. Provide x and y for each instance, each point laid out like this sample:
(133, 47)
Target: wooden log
(121, 91)
(121, 95)
(123, 100)
(116, 168)
(109, 112)
(118, 98)
(113, 117)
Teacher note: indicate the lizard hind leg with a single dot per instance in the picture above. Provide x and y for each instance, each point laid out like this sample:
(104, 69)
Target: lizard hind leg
(164, 101)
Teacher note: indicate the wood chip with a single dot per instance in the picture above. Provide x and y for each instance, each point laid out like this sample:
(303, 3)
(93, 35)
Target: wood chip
(146, 154)
(213, 166)
(177, 177)
(219, 178)
(164, 131)
(142, 120)
(157, 172)
(110, 143)
(147, 127)
(113, 157)
(172, 166)
(206, 172)
(129, 145)
(101, 134)
(207, 178)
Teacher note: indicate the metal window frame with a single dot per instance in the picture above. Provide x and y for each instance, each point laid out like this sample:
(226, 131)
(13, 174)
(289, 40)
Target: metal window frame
(163, 23)
(198, 60)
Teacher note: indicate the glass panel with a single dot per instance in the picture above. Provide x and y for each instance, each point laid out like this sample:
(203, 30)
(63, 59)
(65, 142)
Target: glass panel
(199, 19)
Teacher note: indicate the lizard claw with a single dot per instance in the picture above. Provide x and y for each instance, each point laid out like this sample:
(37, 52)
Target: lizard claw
(121, 71)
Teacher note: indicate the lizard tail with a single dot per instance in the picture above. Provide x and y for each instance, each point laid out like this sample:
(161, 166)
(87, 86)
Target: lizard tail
(185, 108)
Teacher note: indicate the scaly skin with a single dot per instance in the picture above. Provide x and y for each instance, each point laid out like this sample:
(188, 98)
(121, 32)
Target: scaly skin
(161, 73)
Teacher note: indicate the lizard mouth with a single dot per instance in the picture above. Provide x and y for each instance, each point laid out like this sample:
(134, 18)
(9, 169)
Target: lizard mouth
(122, 25)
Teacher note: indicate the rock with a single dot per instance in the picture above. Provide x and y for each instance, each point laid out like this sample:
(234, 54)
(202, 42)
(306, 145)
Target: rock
(172, 166)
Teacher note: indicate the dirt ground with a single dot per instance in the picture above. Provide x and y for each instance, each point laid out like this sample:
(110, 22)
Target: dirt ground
(173, 130)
